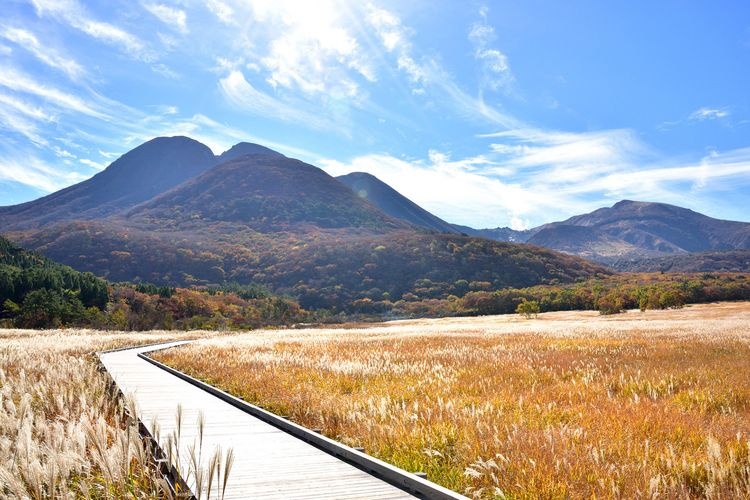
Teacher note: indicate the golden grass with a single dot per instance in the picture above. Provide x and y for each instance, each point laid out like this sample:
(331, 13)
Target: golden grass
(62, 433)
(569, 405)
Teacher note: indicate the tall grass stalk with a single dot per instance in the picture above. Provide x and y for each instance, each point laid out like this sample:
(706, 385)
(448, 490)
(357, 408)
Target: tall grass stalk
(572, 404)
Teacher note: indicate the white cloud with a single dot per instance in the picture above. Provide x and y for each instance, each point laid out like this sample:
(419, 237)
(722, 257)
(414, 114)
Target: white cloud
(14, 80)
(311, 47)
(176, 19)
(534, 173)
(31, 171)
(427, 73)
(238, 91)
(221, 10)
(394, 38)
(571, 156)
(63, 153)
(29, 110)
(44, 53)
(98, 166)
(706, 113)
(75, 15)
(496, 73)
(456, 191)
(15, 123)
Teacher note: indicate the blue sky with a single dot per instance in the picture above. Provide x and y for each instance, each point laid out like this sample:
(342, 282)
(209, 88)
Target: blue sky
(485, 113)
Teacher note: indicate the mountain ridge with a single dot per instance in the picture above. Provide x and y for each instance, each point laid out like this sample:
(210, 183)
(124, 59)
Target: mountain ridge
(393, 203)
(268, 219)
(632, 229)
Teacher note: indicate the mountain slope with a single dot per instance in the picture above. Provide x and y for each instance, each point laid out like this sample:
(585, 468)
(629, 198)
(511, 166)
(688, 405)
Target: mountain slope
(136, 176)
(268, 219)
(329, 268)
(633, 229)
(393, 203)
(243, 149)
(266, 193)
(23, 272)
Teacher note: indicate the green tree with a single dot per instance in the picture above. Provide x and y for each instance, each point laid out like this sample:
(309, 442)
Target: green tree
(611, 303)
(528, 308)
(50, 309)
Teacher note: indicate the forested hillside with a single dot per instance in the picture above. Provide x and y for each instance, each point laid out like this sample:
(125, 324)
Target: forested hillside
(39, 292)
(36, 292)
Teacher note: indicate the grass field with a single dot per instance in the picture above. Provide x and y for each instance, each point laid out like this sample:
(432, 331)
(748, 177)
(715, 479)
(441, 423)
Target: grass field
(62, 433)
(653, 404)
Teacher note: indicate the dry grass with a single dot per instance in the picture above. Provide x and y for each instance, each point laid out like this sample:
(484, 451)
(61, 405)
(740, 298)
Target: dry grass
(653, 404)
(62, 434)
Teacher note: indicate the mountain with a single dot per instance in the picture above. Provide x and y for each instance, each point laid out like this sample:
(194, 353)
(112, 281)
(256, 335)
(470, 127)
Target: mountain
(243, 149)
(265, 192)
(260, 217)
(636, 229)
(136, 176)
(393, 203)
(321, 267)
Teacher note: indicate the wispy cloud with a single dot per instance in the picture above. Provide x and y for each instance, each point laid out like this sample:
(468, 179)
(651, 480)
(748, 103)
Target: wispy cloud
(31, 171)
(238, 91)
(46, 54)
(484, 190)
(496, 73)
(25, 108)
(223, 11)
(175, 19)
(458, 191)
(75, 15)
(706, 113)
(306, 47)
(20, 82)
(16, 123)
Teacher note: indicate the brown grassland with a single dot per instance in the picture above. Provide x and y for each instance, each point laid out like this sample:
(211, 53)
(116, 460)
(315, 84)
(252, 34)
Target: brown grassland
(572, 404)
(62, 431)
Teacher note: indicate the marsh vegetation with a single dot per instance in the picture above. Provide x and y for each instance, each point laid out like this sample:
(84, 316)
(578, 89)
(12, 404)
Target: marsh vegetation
(642, 404)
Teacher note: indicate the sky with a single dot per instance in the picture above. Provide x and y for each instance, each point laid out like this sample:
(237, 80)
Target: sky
(487, 114)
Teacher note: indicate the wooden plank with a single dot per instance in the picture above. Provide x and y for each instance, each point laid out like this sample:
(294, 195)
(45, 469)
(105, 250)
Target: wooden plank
(268, 462)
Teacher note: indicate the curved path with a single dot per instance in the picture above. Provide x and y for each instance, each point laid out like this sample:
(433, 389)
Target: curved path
(268, 462)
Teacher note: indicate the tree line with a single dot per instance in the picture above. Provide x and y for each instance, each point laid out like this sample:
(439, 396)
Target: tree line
(36, 292)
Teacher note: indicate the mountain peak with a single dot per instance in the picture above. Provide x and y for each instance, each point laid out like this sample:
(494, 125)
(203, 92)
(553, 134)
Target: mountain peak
(393, 203)
(140, 174)
(246, 148)
(624, 203)
(267, 192)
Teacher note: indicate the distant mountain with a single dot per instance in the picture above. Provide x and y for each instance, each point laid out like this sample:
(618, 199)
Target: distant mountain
(265, 192)
(260, 217)
(136, 176)
(393, 203)
(634, 229)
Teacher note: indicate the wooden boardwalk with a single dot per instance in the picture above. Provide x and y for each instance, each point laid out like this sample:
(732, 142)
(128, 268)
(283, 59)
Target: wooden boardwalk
(268, 462)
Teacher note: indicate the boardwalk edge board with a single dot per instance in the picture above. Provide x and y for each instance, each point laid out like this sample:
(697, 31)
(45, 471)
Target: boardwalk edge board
(385, 471)
(179, 488)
